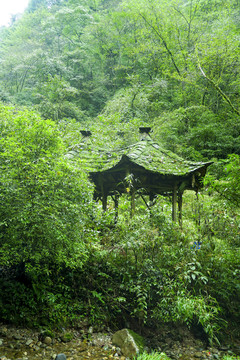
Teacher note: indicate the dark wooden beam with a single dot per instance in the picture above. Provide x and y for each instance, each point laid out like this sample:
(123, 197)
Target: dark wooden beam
(174, 203)
(116, 201)
(180, 202)
(145, 202)
(104, 202)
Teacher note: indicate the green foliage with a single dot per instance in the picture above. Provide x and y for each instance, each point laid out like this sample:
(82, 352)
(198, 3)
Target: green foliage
(45, 207)
(131, 64)
(228, 186)
(152, 356)
(60, 256)
(132, 50)
(197, 133)
(204, 309)
(231, 357)
(55, 100)
(139, 340)
(44, 203)
(156, 274)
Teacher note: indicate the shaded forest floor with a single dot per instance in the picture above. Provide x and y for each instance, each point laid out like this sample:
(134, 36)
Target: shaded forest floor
(89, 343)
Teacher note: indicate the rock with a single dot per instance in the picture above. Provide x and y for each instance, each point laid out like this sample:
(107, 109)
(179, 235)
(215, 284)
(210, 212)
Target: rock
(1, 342)
(47, 340)
(17, 337)
(100, 340)
(29, 342)
(36, 348)
(90, 330)
(198, 355)
(61, 357)
(118, 351)
(45, 333)
(130, 343)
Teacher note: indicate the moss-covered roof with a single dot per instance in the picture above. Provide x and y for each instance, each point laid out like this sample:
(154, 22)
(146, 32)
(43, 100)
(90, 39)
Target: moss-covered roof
(152, 168)
(152, 157)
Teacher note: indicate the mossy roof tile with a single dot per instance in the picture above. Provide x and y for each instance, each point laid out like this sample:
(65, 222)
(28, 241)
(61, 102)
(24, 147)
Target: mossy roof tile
(152, 157)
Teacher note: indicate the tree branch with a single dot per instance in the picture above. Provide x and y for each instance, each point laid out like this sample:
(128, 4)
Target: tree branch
(225, 97)
(163, 41)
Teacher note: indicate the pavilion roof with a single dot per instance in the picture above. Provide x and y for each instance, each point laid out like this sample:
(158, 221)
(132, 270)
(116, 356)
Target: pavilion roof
(152, 157)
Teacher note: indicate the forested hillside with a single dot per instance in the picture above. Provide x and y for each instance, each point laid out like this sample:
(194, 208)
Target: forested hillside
(111, 66)
(145, 60)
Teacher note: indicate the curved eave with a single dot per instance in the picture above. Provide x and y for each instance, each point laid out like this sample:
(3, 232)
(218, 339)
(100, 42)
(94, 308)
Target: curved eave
(130, 163)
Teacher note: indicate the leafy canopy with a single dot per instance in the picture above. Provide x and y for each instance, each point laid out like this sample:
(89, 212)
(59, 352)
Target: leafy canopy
(45, 198)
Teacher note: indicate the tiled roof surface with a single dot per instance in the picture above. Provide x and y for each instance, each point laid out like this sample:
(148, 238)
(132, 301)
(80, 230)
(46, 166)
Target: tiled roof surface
(150, 155)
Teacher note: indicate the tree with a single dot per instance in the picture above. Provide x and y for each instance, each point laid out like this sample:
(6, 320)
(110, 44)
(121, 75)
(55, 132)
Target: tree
(54, 100)
(45, 198)
(36, 4)
(228, 186)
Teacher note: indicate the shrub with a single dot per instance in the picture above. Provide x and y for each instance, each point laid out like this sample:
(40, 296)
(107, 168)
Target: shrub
(45, 209)
(152, 356)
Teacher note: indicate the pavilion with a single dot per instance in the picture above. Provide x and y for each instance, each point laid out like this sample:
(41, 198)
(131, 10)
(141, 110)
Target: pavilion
(147, 169)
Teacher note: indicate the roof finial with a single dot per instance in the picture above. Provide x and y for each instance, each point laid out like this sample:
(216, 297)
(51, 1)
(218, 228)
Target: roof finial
(85, 133)
(145, 130)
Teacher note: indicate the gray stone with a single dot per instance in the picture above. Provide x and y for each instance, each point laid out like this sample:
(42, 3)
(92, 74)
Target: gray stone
(99, 339)
(124, 339)
(29, 342)
(47, 340)
(90, 330)
(61, 357)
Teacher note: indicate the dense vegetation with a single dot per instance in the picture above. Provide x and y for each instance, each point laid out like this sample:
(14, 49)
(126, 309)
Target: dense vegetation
(111, 66)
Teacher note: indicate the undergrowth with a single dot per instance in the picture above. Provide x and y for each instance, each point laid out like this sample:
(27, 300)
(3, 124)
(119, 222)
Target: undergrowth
(144, 271)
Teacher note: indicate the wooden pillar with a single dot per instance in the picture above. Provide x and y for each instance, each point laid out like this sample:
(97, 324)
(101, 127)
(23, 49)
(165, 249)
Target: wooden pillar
(180, 194)
(104, 202)
(132, 211)
(104, 195)
(151, 198)
(116, 200)
(174, 203)
(198, 211)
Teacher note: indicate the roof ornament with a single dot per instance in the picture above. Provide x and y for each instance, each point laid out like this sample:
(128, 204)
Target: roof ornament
(145, 129)
(145, 132)
(85, 133)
